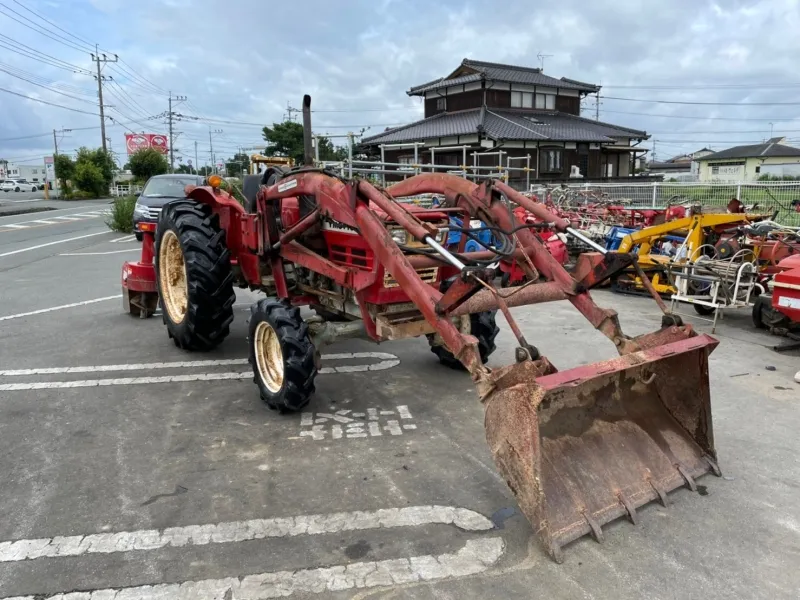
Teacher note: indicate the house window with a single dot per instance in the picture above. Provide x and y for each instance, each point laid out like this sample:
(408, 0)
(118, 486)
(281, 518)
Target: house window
(35, 171)
(441, 104)
(406, 160)
(546, 101)
(521, 100)
(715, 169)
(551, 161)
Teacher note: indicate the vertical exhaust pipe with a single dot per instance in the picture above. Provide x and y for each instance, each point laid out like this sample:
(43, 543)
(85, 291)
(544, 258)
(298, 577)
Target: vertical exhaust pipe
(308, 150)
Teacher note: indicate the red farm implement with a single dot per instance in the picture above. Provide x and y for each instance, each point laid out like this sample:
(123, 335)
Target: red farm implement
(578, 447)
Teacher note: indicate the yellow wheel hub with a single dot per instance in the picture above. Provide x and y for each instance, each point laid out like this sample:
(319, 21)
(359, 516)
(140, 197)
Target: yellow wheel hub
(269, 357)
(172, 277)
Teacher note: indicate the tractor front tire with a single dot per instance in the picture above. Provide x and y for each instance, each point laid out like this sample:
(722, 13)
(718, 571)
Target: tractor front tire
(483, 327)
(193, 271)
(282, 355)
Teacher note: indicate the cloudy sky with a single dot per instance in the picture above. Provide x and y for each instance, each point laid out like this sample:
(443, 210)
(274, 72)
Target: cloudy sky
(691, 73)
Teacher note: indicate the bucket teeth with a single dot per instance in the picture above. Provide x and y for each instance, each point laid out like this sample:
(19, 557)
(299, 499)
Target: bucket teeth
(597, 532)
(628, 507)
(714, 466)
(688, 478)
(662, 495)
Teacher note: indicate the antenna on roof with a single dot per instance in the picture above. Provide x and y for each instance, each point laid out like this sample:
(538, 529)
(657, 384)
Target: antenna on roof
(541, 58)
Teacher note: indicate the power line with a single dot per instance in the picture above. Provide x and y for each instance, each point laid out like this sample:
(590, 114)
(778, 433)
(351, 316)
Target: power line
(702, 86)
(30, 52)
(765, 120)
(142, 77)
(49, 103)
(41, 30)
(33, 12)
(693, 103)
(134, 81)
(15, 71)
(721, 132)
(46, 87)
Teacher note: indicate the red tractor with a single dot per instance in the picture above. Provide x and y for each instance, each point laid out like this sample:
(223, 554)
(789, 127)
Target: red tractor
(374, 267)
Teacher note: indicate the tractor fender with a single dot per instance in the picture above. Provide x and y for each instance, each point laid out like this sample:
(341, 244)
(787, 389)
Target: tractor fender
(241, 237)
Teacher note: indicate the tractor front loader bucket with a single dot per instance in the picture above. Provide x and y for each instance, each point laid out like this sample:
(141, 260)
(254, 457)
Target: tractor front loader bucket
(583, 447)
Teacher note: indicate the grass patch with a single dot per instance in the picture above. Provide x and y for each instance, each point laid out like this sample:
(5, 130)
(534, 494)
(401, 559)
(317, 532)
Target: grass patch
(121, 217)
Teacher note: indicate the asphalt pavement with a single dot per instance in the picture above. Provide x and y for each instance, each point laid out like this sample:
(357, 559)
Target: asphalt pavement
(132, 469)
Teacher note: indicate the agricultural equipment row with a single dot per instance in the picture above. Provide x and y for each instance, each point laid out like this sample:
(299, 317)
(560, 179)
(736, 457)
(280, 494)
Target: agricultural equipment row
(578, 447)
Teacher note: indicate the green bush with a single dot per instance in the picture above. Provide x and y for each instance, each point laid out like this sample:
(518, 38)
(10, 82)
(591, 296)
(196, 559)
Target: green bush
(78, 195)
(89, 178)
(146, 163)
(121, 217)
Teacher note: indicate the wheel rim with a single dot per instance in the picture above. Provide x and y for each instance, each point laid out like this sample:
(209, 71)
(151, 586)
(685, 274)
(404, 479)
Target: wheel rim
(172, 275)
(269, 357)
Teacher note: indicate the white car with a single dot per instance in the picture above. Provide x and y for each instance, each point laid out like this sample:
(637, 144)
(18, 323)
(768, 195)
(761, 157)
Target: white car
(18, 185)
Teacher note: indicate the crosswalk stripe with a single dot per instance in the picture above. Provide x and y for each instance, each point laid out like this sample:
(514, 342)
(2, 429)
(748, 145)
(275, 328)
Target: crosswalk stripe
(14, 225)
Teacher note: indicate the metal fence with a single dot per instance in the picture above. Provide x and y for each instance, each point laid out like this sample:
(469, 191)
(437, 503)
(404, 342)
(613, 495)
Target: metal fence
(766, 197)
(125, 190)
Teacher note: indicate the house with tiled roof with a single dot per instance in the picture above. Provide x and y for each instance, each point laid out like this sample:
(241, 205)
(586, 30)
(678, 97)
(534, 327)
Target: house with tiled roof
(488, 112)
(748, 163)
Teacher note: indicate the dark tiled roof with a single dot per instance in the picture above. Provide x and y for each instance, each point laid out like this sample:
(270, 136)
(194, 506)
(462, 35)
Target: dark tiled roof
(463, 122)
(505, 73)
(769, 148)
(443, 82)
(670, 166)
(507, 125)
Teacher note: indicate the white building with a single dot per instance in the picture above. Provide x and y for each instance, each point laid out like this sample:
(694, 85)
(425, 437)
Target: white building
(33, 173)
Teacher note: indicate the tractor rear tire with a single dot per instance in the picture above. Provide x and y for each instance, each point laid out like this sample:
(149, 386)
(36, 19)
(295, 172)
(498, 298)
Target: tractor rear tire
(282, 355)
(483, 327)
(193, 271)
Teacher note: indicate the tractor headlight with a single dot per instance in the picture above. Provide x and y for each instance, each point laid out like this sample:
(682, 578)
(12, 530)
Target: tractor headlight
(400, 236)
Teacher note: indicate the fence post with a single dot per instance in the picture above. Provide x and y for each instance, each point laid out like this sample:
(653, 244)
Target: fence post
(739, 191)
(655, 193)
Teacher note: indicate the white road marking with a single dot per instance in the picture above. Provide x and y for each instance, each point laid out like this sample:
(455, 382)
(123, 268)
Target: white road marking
(49, 212)
(184, 364)
(51, 385)
(127, 238)
(99, 253)
(43, 221)
(475, 557)
(241, 531)
(346, 424)
(15, 226)
(72, 239)
(67, 218)
(52, 308)
(390, 360)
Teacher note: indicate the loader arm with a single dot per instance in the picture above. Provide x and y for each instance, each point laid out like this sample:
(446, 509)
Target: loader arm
(578, 447)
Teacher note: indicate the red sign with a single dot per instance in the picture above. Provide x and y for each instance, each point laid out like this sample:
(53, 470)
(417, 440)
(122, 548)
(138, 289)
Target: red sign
(137, 141)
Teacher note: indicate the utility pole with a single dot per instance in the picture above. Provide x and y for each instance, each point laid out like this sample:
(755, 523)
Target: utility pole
(597, 107)
(289, 110)
(104, 59)
(211, 148)
(55, 155)
(196, 164)
(653, 155)
(170, 114)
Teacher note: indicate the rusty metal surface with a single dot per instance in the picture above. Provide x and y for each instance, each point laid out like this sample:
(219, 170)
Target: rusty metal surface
(535, 293)
(594, 268)
(583, 447)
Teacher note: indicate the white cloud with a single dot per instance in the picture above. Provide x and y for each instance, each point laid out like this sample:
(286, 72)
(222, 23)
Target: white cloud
(244, 60)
